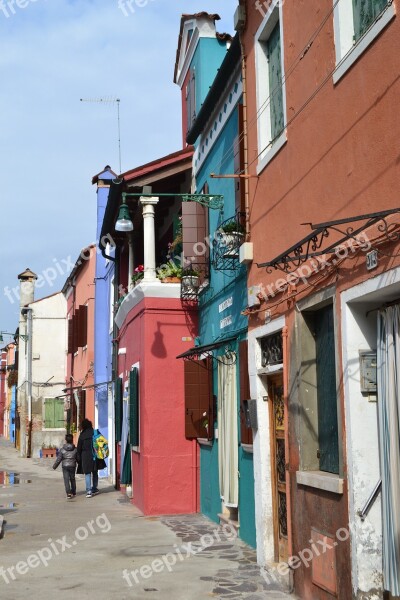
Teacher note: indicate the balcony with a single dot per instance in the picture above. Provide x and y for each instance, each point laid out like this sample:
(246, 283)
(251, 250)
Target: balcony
(229, 236)
(195, 278)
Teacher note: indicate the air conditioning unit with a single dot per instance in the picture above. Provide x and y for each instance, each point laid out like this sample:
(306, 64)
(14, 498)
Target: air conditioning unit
(239, 19)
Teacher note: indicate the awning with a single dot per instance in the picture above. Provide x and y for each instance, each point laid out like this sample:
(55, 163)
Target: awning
(198, 352)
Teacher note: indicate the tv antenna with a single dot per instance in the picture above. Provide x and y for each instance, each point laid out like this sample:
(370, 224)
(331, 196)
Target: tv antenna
(109, 100)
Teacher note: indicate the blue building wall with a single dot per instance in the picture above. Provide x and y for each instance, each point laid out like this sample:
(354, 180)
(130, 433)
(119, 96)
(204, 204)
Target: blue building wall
(102, 335)
(224, 285)
(210, 52)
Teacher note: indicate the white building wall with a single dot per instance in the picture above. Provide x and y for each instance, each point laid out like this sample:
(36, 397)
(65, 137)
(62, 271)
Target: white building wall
(359, 332)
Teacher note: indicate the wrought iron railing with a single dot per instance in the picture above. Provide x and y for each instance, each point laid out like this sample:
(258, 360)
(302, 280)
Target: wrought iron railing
(228, 238)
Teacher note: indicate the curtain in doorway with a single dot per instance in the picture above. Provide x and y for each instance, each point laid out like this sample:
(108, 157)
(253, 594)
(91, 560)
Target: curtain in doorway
(388, 374)
(228, 434)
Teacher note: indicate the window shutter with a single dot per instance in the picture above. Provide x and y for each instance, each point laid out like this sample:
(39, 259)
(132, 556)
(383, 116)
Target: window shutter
(246, 433)
(199, 400)
(75, 326)
(364, 14)
(82, 406)
(59, 418)
(71, 336)
(82, 319)
(275, 82)
(118, 409)
(48, 413)
(328, 434)
(134, 407)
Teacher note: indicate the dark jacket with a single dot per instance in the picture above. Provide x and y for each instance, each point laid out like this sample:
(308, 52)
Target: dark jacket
(67, 456)
(86, 457)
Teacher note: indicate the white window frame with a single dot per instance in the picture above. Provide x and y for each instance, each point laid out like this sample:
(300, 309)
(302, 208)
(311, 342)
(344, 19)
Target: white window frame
(347, 51)
(266, 150)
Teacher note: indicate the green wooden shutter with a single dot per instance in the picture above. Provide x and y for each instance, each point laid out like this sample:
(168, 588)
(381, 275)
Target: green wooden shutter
(275, 82)
(365, 13)
(48, 413)
(328, 435)
(134, 407)
(59, 419)
(118, 408)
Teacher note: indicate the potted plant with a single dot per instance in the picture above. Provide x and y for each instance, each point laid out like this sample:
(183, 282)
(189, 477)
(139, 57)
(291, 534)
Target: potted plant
(138, 274)
(170, 273)
(49, 451)
(190, 281)
(231, 235)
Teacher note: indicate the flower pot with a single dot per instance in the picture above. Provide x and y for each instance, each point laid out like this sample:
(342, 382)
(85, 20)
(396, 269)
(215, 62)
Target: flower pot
(171, 280)
(190, 284)
(49, 452)
(231, 241)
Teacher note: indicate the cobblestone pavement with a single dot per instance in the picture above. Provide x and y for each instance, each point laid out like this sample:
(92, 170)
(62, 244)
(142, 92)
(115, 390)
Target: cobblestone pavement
(208, 561)
(243, 580)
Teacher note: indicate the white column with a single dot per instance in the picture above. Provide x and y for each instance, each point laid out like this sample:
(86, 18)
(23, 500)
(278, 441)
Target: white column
(149, 238)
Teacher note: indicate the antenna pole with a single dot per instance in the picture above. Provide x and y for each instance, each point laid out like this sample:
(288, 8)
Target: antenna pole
(109, 100)
(119, 135)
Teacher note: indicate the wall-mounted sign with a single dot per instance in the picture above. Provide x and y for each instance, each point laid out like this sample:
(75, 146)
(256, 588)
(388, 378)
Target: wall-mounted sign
(225, 304)
(372, 260)
(225, 322)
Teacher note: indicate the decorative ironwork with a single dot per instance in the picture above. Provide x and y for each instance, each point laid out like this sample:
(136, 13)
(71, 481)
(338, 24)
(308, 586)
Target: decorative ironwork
(271, 350)
(195, 278)
(312, 245)
(282, 513)
(198, 353)
(279, 408)
(228, 238)
(281, 460)
(212, 201)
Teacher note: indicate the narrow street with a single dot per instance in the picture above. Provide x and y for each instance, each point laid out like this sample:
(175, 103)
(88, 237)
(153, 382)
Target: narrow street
(103, 546)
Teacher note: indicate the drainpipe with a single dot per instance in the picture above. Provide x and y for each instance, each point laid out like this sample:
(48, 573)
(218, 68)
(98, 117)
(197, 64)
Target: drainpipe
(245, 133)
(28, 312)
(148, 204)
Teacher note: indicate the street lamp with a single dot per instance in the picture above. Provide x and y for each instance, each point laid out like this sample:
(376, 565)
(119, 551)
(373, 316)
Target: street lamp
(14, 335)
(124, 222)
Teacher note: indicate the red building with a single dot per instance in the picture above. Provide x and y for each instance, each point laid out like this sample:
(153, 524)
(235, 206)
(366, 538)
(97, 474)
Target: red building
(3, 388)
(156, 464)
(322, 162)
(79, 292)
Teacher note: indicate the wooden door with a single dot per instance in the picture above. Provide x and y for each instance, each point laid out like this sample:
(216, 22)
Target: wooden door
(278, 466)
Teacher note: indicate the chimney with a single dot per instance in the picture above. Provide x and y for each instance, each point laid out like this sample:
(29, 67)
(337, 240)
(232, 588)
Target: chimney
(27, 287)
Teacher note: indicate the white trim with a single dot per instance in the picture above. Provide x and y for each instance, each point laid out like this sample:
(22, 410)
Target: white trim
(218, 120)
(321, 480)
(202, 28)
(267, 149)
(247, 448)
(272, 152)
(261, 447)
(153, 289)
(346, 53)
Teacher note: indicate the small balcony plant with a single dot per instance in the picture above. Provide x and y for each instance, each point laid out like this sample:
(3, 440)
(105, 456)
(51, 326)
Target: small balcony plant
(170, 273)
(138, 274)
(190, 281)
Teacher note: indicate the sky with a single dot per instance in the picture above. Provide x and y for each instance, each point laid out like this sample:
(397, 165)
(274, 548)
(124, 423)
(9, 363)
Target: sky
(52, 54)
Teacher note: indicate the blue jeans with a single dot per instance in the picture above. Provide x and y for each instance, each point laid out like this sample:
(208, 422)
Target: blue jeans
(88, 481)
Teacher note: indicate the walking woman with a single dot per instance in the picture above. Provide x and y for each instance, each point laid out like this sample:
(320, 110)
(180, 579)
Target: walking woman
(87, 463)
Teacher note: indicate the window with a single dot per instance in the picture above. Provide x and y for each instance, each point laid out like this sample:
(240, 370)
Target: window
(77, 329)
(118, 408)
(199, 400)
(357, 23)
(246, 432)
(320, 438)
(271, 102)
(134, 407)
(54, 413)
(191, 99)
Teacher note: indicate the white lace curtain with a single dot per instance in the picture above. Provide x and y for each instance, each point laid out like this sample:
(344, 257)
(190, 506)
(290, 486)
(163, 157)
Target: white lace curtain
(228, 435)
(388, 356)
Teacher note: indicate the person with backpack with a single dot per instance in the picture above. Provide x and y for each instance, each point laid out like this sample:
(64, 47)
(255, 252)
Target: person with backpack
(67, 456)
(87, 463)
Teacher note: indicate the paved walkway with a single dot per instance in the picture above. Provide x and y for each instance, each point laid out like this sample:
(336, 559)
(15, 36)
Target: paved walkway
(52, 547)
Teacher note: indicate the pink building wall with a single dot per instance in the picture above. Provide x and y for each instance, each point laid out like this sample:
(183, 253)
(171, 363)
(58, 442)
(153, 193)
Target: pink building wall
(165, 471)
